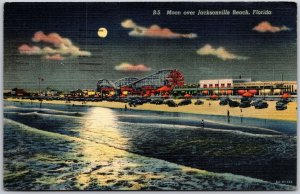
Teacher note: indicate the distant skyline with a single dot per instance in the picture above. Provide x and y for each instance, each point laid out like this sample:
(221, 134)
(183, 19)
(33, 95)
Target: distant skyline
(60, 42)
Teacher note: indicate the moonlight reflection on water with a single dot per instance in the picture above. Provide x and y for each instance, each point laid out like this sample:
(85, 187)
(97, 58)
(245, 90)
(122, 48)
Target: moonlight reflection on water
(94, 148)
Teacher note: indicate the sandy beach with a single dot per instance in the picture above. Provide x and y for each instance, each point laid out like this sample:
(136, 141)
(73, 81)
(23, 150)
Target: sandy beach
(290, 114)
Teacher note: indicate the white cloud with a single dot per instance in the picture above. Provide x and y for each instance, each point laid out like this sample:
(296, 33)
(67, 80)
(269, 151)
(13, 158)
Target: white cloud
(220, 52)
(60, 49)
(153, 31)
(127, 67)
(128, 24)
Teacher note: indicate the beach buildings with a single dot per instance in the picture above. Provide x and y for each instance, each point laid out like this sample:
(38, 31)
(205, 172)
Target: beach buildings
(269, 87)
(241, 86)
(174, 79)
(238, 87)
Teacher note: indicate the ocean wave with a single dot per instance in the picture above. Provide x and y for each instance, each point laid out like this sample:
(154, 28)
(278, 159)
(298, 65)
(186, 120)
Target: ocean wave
(184, 123)
(10, 107)
(285, 127)
(37, 114)
(24, 111)
(32, 129)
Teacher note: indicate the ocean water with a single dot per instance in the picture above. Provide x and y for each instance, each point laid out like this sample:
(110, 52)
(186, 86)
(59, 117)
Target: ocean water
(64, 147)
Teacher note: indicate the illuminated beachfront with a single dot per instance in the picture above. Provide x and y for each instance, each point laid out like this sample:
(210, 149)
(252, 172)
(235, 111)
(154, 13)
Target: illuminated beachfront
(171, 82)
(169, 85)
(186, 96)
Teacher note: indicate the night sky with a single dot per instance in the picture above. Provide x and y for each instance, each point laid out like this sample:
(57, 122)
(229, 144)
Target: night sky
(59, 42)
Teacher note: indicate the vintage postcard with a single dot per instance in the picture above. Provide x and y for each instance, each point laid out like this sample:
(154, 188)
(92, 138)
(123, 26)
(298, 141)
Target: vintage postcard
(186, 96)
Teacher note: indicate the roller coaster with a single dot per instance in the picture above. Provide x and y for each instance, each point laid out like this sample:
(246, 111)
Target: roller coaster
(147, 84)
(125, 81)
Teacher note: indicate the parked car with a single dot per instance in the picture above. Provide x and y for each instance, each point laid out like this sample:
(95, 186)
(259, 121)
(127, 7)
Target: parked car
(284, 101)
(185, 102)
(146, 100)
(233, 103)
(261, 105)
(170, 103)
(256, 101)
(245, 104)
(157, 101)
(224, 101)
(281, 106)
(199, 102)
(246, 99)
(98, 99)
(135, 102)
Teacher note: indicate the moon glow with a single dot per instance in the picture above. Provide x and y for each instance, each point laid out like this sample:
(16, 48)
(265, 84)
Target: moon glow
(102, 32)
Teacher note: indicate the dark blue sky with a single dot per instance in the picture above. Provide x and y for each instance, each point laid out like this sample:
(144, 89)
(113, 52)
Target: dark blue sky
(269, 54)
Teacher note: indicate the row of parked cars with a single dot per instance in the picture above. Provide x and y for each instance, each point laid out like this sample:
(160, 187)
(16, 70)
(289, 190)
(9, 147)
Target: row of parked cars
(170, 103)
(257, 103)
(245, 102)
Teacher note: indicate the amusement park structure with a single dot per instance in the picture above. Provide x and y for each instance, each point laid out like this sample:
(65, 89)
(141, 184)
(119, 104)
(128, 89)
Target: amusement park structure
(125, 81)
(105, 86)
(146, 86)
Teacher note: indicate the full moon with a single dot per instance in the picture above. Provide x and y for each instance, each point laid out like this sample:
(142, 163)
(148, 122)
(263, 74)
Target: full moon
(102, 32)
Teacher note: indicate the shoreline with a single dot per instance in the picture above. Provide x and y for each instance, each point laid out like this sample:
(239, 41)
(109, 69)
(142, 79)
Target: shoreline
(270, 113)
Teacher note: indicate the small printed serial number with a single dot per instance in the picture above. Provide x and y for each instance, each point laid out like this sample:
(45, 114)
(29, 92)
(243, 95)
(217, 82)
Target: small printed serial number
(284, 181)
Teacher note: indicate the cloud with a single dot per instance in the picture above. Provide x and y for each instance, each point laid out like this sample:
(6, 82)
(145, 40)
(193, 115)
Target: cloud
(56, 57)
(52, 38)
(267, 27)
(219, 52)
(128, 24)
(59, 49)
(127, 67)
(29, 50)
(153, 31)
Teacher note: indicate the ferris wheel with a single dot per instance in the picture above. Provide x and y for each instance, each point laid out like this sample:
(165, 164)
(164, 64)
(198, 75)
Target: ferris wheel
(175, 78)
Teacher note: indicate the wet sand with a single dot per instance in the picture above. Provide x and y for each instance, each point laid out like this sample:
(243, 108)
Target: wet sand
(290, 114)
